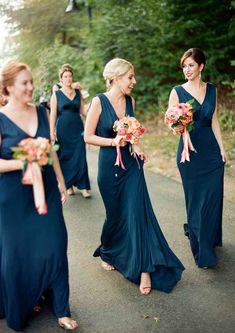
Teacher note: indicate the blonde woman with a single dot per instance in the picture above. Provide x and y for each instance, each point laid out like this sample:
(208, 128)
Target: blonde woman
(131, 240)
(66, 124)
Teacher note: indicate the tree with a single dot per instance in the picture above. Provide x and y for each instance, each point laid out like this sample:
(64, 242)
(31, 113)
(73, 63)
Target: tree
(152, 34)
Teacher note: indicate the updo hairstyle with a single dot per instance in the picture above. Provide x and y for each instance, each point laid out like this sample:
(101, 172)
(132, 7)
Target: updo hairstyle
(65, 68)
(115, 68)
(196, 54)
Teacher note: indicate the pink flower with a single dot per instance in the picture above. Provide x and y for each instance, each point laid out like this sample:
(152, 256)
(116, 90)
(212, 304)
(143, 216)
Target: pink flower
(179, 118)
(179, 114)
(34, 150)
(130, 131)
(122, 131)
(129, 128)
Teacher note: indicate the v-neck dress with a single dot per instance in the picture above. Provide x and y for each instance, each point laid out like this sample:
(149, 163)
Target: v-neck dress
(33, 247)
(131, 239)
(70, 136)
(202, 180)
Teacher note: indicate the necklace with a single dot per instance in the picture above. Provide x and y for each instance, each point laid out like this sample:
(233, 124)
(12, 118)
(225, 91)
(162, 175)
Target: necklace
(68, 92)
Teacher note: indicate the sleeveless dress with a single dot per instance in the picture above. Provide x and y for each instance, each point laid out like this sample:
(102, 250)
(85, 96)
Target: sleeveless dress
(33, 247)
(131, 238)
(72, 151)
(202, 180)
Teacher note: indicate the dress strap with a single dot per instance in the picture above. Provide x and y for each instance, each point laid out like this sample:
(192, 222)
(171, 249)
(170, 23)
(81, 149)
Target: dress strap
(42, 116)
(1, 129)
(179, 90)
(104, 102)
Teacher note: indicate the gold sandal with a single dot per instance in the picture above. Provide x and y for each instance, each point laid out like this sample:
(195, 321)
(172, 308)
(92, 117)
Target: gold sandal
(70, 191)
(85, 193)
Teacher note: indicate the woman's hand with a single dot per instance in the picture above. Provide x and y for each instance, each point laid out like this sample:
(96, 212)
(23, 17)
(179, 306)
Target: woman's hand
(63, 192)
(118, 141)
(136, 150)
(179, 129)
(223, 154)
(77, 85)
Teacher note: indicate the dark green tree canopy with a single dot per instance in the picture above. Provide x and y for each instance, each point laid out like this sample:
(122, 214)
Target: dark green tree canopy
(152, 34)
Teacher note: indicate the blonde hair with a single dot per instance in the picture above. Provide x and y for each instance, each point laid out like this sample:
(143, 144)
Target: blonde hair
(65, 68)
(115, 68)
(8, 75)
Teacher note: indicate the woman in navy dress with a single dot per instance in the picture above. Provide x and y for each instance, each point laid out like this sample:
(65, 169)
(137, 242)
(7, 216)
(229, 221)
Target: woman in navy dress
(33, 247)
(66, 124)
(131, 239)
(203, 176)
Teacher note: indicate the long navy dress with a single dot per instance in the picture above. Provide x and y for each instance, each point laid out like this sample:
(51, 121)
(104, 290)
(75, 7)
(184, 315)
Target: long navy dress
(33, 247)
(131, 238)
(72, 151)
(202, 180)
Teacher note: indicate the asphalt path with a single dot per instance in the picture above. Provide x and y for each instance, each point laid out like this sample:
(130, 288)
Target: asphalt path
(105, 302)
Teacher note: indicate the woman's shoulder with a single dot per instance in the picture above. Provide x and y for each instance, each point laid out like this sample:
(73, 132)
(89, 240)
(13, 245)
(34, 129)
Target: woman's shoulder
(96, 104)
(57, 93)
(77, 91)
(41, 109)
(211, 89)
(211, 85)
(98, 98)
(101, 95)
(177, 88)
(176, 91)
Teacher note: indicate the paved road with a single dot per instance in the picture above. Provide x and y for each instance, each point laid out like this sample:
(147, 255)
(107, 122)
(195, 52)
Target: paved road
(105, 302)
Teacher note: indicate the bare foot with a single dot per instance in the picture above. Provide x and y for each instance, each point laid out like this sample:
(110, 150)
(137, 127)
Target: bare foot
(68, 323)
(145, 284)
(107, 266)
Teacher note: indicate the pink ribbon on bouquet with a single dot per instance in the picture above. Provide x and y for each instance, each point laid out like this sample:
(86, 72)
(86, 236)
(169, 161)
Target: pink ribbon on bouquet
(187, 146)
(119, 158)
(33, 176)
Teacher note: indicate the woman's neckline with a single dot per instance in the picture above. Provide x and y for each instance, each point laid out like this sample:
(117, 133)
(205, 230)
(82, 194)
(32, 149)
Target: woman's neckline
(70, 98)
(20, 128)
(203, 100)
(114, 108)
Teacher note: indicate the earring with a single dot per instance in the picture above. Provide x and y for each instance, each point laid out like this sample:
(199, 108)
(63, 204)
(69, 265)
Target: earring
(200, 76)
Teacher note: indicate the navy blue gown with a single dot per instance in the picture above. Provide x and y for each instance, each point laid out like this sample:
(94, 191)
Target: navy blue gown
(202, 180)
(33, 247)
(72, 151)
(131, 238)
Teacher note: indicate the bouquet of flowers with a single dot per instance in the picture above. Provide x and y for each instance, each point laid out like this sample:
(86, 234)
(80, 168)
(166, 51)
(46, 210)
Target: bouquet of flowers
(181, 115)
(129, 130)
(35, 153)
